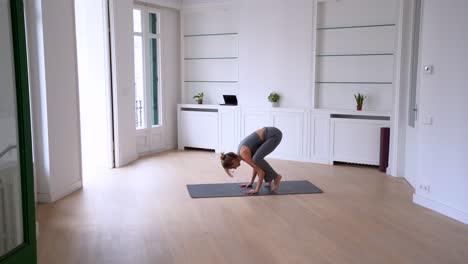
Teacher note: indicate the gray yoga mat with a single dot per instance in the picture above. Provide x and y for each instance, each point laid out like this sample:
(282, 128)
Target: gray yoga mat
(233, 189)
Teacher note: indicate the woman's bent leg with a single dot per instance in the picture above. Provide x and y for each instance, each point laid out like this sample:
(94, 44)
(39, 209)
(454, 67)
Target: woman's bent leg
(270, 144)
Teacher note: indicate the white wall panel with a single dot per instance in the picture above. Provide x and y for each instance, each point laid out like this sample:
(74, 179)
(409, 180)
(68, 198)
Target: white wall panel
(355, 69)
(292, 126)
(253, 120)
(217, 46)
(142, 142)
(341, 96)
(211, 70)
(357, 12)
(275, 51)
(213, 21)
(369, 40)
(157, 140)
(229, 128)
(319, 137)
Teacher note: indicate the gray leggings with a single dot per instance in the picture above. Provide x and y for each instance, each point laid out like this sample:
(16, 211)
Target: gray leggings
(272, 137)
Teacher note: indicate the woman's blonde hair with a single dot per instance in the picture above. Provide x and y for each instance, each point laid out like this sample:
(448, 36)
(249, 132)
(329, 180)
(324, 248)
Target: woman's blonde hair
(227, 160)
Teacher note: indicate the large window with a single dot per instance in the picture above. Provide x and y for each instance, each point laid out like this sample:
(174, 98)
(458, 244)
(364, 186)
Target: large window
(147, 41)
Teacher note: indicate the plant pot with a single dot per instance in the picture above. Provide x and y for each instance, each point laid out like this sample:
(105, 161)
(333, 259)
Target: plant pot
(200, 101)
(274, 104)
(359, 107)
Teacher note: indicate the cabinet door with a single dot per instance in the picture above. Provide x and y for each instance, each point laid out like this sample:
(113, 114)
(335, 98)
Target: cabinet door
(253, 120)
(320, 138)
(292, 126)
(199, 129)
(356, 141)
(229, 130)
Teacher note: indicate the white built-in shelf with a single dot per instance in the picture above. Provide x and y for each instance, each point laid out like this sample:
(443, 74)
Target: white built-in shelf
(207, 106)
(208, 35)
(351, 55)
(361, 26)
(210, 81)
(355, 49)
(352, 112)
(219, 58)
(358, 82)
(204, 106)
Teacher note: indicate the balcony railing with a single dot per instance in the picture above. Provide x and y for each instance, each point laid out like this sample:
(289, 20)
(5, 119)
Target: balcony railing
(139, 113)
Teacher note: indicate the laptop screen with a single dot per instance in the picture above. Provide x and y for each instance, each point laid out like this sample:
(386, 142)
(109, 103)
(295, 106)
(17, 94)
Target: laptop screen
(230, 99)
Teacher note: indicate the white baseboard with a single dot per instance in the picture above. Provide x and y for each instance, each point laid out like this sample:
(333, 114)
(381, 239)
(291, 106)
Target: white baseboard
(126, 160)
(147, 153)
(43, 198)
(50, 198)
(67, 191)
(441, 208)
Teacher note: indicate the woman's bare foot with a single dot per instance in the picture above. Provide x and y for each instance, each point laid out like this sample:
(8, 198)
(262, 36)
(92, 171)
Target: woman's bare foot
(276, 183)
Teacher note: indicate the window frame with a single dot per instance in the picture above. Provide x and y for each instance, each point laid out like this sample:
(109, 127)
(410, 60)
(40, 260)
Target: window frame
(146, 38)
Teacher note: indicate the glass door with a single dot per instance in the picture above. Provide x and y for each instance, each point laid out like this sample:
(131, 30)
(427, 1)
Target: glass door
(17, 221)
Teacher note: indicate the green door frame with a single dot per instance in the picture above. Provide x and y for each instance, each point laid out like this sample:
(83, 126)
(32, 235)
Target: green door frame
(26, 252)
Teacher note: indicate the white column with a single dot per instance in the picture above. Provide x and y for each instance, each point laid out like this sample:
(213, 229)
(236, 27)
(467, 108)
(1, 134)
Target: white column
(54, 97)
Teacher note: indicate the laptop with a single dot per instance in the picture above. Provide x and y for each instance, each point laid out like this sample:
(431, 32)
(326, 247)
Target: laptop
(230, 100)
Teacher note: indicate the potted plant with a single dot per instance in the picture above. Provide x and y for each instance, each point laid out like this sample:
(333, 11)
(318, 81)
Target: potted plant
(274, 99)
(359, 100)
(199, 98)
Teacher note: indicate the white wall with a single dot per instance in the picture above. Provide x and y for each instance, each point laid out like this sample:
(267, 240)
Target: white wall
(94, 83)
(54, 97)
(275, 50)
(405, 83)
(170, 64)
(444, 143)
(123, 79)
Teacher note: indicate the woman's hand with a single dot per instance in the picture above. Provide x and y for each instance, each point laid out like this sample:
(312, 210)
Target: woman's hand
(243, 185)
(251, 192)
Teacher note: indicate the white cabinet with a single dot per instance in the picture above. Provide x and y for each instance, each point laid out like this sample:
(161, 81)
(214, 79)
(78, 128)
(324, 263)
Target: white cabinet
(289, 121)
(253, 120)
(229, 130)
(198, 127)
(356, 140)
(319, 138)
(292, 126)
(308, 135)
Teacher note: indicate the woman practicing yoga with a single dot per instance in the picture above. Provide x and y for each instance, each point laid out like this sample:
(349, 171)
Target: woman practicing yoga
(253, 150)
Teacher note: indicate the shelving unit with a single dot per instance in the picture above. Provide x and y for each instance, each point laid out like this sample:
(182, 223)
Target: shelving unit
(355, 50)
(209, 53)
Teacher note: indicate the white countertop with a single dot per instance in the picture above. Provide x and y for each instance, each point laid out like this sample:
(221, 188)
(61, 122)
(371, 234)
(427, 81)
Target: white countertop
(285, 109)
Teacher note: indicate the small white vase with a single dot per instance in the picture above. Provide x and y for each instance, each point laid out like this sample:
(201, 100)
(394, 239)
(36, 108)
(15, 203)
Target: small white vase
(274, 104)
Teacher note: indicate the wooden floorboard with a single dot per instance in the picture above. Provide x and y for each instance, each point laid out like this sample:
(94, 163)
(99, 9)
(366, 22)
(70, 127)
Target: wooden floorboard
(143, 214)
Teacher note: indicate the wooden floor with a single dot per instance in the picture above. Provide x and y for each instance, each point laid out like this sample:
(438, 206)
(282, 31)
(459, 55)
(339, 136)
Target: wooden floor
(143, 214)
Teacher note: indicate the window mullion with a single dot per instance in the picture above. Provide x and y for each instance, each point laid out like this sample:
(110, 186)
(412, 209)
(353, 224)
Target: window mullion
(148, 99)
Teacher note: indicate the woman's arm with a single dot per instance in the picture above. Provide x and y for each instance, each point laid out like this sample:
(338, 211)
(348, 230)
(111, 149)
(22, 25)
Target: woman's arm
(247, 157)
(254, 175)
